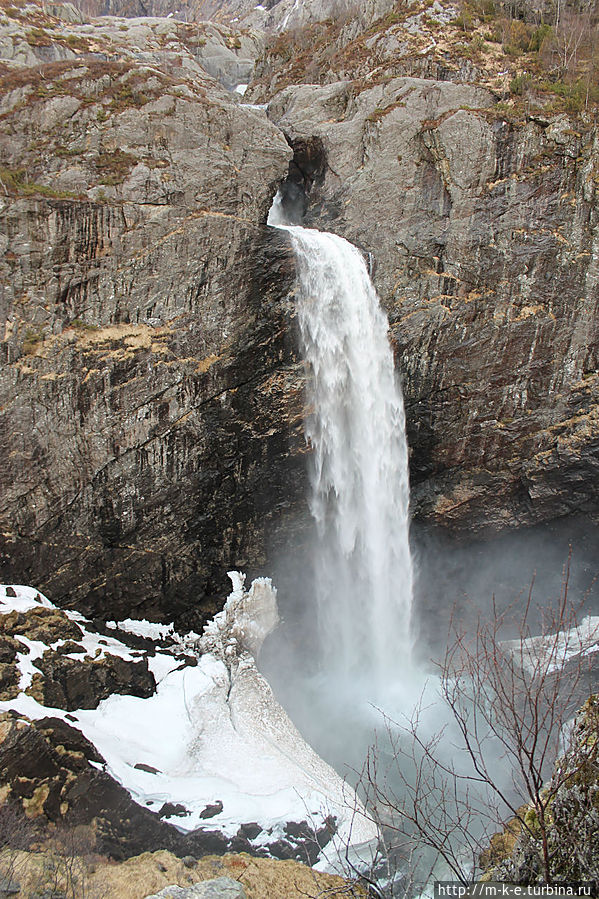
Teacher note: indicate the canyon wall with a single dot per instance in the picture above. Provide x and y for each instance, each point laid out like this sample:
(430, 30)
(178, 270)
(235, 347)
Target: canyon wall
(151, 393)
(483, 232)
(149, 386)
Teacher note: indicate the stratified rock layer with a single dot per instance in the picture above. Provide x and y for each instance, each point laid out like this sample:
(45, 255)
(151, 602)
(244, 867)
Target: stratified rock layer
(151, 396)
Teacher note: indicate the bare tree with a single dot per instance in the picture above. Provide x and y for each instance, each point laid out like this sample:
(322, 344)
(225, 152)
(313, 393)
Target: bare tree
(445, 790)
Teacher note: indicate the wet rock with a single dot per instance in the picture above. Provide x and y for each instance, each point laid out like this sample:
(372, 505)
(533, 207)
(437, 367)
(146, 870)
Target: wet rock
(484, 235)
(249, 831)
(69, 646)
(141, 766)
(211, 810)
(170, 809)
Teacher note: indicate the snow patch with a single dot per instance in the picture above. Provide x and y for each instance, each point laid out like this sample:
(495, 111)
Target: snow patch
(143, 628)
(213, 732)
(26, 599)
(35, 650)
(554, 650)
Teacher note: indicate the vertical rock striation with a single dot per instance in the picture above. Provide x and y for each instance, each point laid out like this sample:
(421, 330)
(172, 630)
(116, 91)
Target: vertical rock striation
(149, 392)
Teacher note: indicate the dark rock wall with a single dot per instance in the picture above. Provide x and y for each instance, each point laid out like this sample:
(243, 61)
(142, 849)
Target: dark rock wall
(150, 389)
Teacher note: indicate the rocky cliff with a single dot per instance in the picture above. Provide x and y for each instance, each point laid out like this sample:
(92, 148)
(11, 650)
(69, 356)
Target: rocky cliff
(151, 390)
(476, 196)
(149, 386)
(483, 232)
(269, 16)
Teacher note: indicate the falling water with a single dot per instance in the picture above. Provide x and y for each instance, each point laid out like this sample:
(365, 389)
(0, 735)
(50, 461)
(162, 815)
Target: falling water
(359, 465)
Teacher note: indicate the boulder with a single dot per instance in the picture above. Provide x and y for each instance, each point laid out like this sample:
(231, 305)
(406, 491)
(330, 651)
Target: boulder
(219, 888)
(66, 683)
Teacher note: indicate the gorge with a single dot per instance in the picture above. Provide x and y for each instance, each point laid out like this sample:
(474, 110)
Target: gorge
(161, 352)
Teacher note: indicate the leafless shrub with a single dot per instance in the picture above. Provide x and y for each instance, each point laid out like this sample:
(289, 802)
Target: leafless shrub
(443, 792)
(16, 834)
(69, 860)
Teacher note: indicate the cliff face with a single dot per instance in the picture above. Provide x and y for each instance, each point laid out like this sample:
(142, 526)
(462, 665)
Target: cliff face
(149, 393)
(269, 16)
(572, 801)
(483, 231)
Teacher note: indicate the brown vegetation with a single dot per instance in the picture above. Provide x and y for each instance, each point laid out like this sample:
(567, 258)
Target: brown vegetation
(68, 861)
(551, 60)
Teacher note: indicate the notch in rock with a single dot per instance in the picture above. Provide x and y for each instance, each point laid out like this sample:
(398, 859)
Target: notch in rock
(306, 170)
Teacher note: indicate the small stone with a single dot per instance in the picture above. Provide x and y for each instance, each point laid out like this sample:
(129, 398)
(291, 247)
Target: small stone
(211, 810)
(141, 766)
(189, 861)
(170, 809)
(70, 646)
(249, 831)
(10, 591)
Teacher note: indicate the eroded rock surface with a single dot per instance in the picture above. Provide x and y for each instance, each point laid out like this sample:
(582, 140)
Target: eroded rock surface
(150, 395)
(483, 234)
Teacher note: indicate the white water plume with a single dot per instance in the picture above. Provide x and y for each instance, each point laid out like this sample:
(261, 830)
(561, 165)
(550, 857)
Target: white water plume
(359, 464)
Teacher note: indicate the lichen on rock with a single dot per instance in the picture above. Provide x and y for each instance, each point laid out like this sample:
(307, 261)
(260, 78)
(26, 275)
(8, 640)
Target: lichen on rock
(573, 817)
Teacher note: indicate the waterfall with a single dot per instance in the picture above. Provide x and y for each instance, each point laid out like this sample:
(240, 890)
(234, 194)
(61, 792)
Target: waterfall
(355, 428)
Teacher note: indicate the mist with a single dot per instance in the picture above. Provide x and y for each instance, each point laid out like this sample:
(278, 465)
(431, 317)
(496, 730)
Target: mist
(454, 578)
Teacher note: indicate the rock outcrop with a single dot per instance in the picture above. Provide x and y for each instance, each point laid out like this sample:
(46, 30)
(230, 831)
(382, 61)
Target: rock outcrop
(269, 16)
(67, 683)
(572, 797)
(180, 744)
(219, 888)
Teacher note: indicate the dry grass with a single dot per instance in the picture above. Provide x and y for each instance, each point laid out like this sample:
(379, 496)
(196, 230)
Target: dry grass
(523, 61)
(149, 873)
